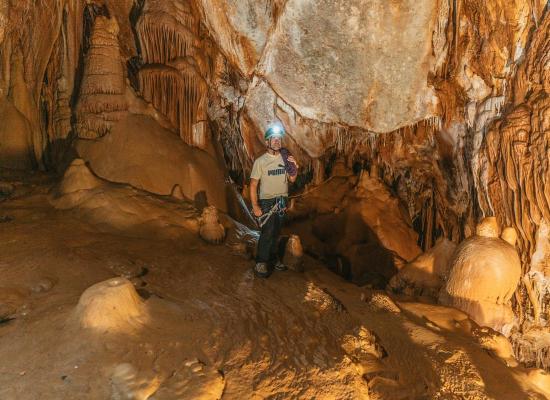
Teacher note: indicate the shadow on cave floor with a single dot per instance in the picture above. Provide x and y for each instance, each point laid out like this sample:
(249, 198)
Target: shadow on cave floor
(469, 361)
(290, 336)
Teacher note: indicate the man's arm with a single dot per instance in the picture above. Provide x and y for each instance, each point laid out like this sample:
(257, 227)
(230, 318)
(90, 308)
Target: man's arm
(254, 197)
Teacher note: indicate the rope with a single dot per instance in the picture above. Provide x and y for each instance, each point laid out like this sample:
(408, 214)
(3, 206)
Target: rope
(312, 189)
(262, 219)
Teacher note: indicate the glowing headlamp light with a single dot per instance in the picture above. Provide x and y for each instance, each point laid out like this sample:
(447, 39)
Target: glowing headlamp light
(275, 130)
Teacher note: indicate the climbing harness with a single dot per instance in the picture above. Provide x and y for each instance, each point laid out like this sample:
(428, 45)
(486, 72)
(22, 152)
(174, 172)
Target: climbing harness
(279, 207)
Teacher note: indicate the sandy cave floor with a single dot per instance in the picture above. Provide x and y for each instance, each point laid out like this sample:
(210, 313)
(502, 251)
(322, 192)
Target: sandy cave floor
(212, 329)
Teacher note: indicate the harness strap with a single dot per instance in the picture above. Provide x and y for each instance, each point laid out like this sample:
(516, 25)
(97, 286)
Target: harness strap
(278, 207)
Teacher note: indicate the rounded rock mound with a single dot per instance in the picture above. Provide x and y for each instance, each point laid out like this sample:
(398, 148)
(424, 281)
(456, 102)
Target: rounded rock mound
(484, 273)
(111, 306)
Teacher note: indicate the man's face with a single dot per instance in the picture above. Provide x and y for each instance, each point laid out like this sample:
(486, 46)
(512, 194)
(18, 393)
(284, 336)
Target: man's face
(275, 142)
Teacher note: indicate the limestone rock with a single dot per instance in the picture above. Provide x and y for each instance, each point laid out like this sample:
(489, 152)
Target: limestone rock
(120, 207)
(127, 383)
(349, 62)
(155, 161)
(427, 273)
(15, 138)
(241, 28)
(380, 301)
(193, 380)
(497, 344)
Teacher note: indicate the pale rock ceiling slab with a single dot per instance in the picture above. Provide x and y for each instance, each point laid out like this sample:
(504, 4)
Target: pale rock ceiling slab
(361, 63)
(240, 27)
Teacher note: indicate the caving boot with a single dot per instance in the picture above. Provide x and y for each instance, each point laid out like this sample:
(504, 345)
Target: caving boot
(279, 266)
(261, 270)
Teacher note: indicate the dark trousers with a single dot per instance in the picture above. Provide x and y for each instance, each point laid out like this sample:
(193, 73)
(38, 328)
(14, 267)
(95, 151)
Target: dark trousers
(269, 236)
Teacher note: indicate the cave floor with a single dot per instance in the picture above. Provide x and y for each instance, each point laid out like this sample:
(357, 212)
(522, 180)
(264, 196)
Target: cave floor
(212, 328)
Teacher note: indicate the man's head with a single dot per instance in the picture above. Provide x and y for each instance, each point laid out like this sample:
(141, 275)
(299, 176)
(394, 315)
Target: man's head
(274, 136)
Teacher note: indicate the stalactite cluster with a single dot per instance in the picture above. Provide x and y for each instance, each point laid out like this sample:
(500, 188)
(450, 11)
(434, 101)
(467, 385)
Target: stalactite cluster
(28, 36)
(180, 94)
(516, 170)
(167, 30)
(173, 77)
(102, 93)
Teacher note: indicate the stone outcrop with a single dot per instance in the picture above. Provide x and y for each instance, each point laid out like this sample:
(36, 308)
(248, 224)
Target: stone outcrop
(426, 274)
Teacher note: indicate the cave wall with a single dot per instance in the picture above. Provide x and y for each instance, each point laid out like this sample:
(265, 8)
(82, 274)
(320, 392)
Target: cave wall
(448, 99)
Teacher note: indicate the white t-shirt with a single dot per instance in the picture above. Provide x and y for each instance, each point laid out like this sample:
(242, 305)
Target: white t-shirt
(270, 171)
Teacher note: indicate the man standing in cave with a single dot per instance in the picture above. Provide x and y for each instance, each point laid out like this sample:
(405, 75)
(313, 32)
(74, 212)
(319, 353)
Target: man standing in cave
(273, 170)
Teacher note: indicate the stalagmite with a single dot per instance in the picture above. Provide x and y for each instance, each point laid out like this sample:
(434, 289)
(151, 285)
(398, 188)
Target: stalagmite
(211, 229)
(101, 102)
(483, 275)
(294, 254)
(509, 235)
(111, 306)
(78, 177)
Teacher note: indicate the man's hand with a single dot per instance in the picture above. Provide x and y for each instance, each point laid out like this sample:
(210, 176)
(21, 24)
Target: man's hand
(257, 210)
(292, 178)
(293, 161)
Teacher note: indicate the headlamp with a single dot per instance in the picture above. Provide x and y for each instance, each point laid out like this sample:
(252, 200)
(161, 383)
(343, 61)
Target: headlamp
(275, 130)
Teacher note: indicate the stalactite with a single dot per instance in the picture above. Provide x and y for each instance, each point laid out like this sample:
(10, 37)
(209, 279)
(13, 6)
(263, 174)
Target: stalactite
(514, 181)
(4, 8)
(173, 77)
(318, 171)
(439, 41)
(62, 114)
(101, 101)
(179, 92)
